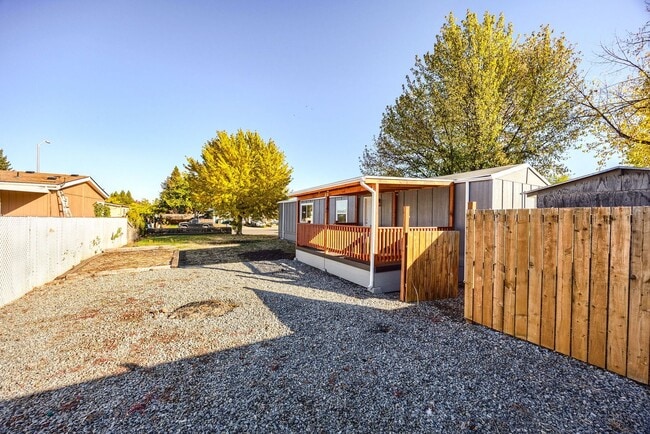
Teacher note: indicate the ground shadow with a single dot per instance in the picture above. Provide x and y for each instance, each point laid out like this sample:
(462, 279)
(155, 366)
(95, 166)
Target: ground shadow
(345, 367)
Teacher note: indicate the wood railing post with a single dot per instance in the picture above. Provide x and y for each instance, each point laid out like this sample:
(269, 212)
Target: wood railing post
(405, 230)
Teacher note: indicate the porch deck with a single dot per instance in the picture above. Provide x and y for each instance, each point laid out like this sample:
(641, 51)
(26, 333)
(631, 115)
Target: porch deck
(353, 242)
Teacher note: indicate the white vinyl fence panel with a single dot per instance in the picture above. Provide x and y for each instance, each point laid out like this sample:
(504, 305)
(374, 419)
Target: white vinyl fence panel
(35, 250)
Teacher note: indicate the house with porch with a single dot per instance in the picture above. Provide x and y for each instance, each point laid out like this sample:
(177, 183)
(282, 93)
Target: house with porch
(354, 228)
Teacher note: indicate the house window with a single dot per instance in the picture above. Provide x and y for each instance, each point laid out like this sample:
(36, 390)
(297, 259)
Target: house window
(306, 212)
(341, 210)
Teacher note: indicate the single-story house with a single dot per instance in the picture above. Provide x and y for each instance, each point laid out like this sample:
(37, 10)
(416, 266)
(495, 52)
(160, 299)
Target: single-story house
(30, 194)
(618, 186)
(364, 214)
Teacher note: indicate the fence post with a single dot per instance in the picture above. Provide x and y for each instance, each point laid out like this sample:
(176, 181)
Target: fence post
(405, 229)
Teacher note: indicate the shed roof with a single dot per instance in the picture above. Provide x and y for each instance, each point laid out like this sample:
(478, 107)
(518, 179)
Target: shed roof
(32, 182)
(585, 177)
(490, 173)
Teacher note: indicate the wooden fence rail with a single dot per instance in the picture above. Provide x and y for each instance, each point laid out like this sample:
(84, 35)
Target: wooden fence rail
(575, 280)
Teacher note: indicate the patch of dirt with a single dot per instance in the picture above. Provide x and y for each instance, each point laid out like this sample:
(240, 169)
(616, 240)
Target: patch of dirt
(238, 250)
(125, 258)
(266, 255)
(203, 309)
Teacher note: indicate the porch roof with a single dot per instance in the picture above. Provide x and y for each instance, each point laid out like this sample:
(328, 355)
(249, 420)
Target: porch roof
(354, 186)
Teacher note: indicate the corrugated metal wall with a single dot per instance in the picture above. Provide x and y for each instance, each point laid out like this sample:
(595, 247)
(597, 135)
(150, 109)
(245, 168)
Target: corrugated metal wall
(35, 250)
(615, 188)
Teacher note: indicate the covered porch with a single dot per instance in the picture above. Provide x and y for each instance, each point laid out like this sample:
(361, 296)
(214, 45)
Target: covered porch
(354, 228)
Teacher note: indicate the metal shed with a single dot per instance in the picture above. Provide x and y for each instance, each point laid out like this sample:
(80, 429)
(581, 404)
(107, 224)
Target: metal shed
(501, 187)
(618, 186)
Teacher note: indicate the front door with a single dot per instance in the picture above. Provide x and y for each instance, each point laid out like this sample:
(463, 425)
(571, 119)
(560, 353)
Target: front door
(367, 210)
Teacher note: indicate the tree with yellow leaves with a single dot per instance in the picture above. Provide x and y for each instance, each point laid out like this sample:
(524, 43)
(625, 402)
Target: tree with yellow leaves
(240, 175)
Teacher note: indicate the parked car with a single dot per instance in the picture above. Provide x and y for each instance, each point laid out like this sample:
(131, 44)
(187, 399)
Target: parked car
(194, 223)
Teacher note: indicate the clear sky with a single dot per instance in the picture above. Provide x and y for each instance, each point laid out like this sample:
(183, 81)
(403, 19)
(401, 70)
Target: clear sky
(126, 90)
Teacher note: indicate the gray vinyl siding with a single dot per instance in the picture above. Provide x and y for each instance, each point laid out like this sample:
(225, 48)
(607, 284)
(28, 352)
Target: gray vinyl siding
(319, 211)
(287, 221)
(429, 207)
(352, 208)
(511, 195)
(386, 209)
(481, 193)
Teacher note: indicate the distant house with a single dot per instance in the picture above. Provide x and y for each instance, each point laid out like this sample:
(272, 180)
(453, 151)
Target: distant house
(618, 186)
(48, 194)
(116, 210)
(350, 206)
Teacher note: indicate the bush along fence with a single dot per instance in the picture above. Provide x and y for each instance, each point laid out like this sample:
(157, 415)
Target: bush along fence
(574, 280)
(35, 250)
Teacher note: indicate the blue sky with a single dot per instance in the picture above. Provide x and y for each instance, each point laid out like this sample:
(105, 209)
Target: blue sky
(126, 90)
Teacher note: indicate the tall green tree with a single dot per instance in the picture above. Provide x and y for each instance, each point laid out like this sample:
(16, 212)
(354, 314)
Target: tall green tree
(122, 197)
(482, 98)
(622, 108)
(176, 196)
(4, 161)
(240, 175)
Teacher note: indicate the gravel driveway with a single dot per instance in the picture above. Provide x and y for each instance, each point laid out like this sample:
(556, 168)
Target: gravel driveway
(276, 346)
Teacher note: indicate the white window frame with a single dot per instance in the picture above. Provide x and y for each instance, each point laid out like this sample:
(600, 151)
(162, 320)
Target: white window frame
(341, 211)
(307, 212)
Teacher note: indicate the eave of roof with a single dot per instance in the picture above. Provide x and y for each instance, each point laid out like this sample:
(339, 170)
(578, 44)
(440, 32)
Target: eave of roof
(390, 182)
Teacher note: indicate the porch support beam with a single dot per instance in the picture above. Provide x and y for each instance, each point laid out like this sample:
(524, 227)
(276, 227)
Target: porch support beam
(373, 232)
(327, 219)
(451, 204)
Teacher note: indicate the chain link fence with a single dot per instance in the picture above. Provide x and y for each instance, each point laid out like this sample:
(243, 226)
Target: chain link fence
(35, 250)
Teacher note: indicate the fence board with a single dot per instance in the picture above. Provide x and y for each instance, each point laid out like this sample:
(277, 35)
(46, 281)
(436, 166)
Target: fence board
(576, 281)
(581, 284)
(564, 279)
(535, 270)
(499, 271)
(639, 330)
(431, 270)
(549, 276)
(488, 268)
(599, 285)
(478, 269)
(521, 283)
(470, 248)
(618, 291)
(510, 257)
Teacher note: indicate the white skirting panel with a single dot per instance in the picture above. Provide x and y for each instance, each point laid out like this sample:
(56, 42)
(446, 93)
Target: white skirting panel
(385, 281)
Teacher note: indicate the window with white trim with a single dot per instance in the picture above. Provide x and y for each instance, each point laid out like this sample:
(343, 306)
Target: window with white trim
(306, 212)
(341, 210)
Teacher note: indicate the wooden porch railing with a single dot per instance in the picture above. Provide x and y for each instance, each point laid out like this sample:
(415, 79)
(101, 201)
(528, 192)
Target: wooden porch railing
(354, 241)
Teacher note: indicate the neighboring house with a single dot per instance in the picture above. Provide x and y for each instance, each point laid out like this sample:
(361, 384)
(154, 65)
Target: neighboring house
(345, 211)
(618, 186)
(25, 194)
(117, 210)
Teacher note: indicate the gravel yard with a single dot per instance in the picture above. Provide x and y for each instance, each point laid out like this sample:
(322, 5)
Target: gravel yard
(276, 346)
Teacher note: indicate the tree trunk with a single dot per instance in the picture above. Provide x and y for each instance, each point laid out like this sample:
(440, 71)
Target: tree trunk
(238, 224)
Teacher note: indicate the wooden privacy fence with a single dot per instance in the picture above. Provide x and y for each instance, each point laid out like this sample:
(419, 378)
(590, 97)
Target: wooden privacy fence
(429, 263)
(575, 280)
